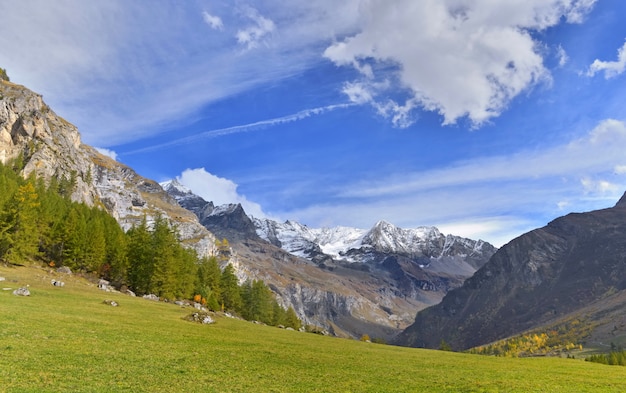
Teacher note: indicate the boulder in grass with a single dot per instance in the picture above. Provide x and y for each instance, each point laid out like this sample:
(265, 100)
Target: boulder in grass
(151, 296)
(57, 283)
(22, 291)
(64, 270)
(200, 317)
(104, 285)
(111, 303)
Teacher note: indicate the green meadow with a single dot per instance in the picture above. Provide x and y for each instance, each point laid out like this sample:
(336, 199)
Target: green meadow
(67, 340)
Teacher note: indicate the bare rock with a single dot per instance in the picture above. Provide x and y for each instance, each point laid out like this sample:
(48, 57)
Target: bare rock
(22, 291)
(64, 270)
(200, 317)
(57, 283)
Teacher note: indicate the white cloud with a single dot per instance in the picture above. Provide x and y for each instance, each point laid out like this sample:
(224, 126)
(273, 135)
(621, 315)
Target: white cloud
(218, 190)
(256, 126)
(562, 56)
(599, 151)
(117, 64)
(494, 198)
(257, 33)
(593, 186)
(577, 10)
(611, 68)
(499, 230)
(214, 21)
(619, 169)
(107, 152)
(458, 58)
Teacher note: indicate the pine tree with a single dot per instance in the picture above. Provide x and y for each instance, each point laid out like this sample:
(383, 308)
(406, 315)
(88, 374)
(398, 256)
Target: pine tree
(279, 314)
(292, 320)
(229, 285)
(166, 263)
(208, 277)
(116, 252)
(95, 246)
(74, 239)
(140, 258)
(20, 225)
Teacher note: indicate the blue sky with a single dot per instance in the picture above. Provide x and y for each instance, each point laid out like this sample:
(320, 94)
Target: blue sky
(484, 118)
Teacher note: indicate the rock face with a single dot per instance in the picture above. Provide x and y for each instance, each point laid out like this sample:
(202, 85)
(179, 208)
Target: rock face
(51, 147)
(347, 280)
(573, 266)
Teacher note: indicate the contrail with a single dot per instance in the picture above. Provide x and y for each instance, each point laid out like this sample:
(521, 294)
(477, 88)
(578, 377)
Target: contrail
(243, 128)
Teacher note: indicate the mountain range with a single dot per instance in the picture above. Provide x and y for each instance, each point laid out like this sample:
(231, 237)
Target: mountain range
(348, 280)
(414, 287)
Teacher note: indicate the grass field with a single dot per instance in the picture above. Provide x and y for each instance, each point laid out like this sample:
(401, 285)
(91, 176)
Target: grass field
(67, 340)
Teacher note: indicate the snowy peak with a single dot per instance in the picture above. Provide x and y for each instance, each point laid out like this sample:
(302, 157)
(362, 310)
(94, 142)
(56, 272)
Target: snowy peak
(229, 208)
(323, 244)
(388, 238)
(355, 245)
(174, 187)
(291, 236)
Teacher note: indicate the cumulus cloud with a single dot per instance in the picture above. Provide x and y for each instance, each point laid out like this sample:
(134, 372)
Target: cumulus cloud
(611, 68)
(458, 58)
(107, 152)
(218, 190)
(256, 33)
(214, 21)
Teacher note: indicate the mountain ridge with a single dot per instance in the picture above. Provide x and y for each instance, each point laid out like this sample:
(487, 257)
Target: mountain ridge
(564, 269)
(345, 279)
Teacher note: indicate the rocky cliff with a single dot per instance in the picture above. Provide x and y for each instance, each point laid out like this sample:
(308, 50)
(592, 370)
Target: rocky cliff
(51, 147)
(573, 268)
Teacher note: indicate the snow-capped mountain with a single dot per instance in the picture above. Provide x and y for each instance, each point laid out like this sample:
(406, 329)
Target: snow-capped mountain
(184, 196)
(227, 221)
(346, 279)
(358, 245)
(300, 240)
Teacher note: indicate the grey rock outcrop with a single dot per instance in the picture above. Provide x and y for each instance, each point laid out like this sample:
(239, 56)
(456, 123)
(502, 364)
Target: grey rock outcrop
(51, 147)
(22, 291)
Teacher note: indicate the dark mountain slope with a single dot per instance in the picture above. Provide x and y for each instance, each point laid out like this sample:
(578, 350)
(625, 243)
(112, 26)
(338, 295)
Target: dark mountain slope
(573, 262)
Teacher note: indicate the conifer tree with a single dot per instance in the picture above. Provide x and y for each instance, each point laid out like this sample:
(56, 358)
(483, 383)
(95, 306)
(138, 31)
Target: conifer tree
(20, 225)
(166, 265)
(116, 252)
(292, 320)
(95, 245)
(229, 285)
(74, 239)
(140, 258)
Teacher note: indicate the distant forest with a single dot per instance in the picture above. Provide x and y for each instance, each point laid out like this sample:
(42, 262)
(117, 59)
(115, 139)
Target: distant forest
(39, 223)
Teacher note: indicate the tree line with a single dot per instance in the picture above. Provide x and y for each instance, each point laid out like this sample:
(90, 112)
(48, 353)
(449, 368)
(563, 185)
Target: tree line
(40, 223)
(617, 357)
